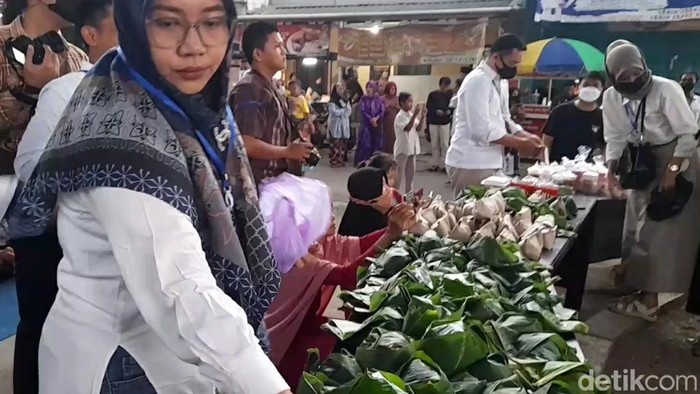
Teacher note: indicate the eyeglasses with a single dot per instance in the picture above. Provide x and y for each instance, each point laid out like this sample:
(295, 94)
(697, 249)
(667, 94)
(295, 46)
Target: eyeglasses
(168, 33)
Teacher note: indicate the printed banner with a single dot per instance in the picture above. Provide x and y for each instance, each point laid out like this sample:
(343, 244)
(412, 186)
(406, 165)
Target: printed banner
(413, 45)
(306, 40)
(299, 40)
(587, 11)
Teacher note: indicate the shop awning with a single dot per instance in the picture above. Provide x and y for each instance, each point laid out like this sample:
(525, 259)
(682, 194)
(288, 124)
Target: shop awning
(306, 10)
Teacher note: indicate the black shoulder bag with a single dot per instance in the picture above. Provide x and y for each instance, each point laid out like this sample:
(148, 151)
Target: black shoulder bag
(637, 168)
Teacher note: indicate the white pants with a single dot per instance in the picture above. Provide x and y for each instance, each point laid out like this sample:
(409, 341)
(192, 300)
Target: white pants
(407, 169)
(440, 141)
(67, 366)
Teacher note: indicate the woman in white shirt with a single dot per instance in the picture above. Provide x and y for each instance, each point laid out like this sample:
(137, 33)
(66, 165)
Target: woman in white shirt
(339, 111)
(165, 250)
(659, 255)
(407, 145)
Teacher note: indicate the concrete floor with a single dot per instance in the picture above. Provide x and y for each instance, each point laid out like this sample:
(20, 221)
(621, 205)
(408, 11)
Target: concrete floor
(615, 343)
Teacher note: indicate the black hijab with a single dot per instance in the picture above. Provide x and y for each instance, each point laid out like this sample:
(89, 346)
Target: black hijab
(336, 98)
(365, 184)
(203, 110)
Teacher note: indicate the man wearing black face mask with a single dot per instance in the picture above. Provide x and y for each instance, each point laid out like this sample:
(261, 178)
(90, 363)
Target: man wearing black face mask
(688, 82)
(483, 127)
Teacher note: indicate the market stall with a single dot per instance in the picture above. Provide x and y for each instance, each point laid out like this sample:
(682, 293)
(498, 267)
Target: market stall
(464, 306)
(546, 64)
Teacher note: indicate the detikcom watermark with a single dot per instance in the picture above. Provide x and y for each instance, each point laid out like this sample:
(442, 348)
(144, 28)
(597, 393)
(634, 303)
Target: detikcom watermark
(628, 380)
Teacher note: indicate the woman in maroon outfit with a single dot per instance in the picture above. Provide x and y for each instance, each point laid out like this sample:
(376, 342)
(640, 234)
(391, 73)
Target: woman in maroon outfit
(295, 318)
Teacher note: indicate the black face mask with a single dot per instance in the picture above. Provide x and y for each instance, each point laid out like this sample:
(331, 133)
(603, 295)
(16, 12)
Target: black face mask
(507, 72)
(632, 86)
(688, 86)
(66, 9)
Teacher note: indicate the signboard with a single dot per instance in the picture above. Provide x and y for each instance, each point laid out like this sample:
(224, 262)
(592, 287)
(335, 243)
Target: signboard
(413, 45)
(586, 11)
(306, 40)
(299, 40)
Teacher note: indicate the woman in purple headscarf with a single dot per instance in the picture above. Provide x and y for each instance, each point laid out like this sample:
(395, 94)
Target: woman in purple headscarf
(371, 110)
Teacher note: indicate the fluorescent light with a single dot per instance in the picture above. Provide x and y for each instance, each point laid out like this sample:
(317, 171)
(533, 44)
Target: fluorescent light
(309, 61)
(375, 29)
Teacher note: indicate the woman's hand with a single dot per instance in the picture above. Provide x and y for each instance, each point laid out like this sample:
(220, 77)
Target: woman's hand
(7, 257)
(668, 181)
(308, 259)
(614, 187)
(401, 218)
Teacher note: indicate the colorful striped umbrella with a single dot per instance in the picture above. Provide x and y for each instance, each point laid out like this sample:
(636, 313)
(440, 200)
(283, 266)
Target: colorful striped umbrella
(560, 56)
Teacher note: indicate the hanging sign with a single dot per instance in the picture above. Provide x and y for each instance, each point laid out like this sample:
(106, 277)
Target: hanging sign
(588, 11)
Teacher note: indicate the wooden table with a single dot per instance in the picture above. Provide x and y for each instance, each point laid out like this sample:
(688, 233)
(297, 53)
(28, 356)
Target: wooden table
(598, 227)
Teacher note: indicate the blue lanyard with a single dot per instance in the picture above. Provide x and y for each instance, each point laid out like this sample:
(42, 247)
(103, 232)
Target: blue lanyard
(209, 149)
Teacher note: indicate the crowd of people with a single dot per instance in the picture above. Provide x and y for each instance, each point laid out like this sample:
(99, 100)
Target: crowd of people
(131, 177)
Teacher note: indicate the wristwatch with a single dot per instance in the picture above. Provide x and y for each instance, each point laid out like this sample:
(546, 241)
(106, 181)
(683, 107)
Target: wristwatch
(679, 168)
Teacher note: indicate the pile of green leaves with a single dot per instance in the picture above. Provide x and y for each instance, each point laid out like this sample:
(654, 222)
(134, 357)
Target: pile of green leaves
(434, 316)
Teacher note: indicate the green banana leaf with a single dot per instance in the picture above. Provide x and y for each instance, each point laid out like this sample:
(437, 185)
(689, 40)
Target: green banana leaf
(491, 369)
(465, 383)
(384, 350)
(516, 203)
(454, 346)
(458, 285)
(421, 313)
(388, 318)
(556, 369)
(510, 326)
(373, 382)
(338, 369)
(511, 192)
(423, 376)
(428, 242)
(544, 346)
(310, 384)
(390, 262)
(489, 252)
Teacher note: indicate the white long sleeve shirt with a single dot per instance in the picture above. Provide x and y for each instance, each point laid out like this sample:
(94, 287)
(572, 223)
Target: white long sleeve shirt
(481, 117)
(53, 100)
(668, 117)
(134, 274)
(695, 107)
(407, 142)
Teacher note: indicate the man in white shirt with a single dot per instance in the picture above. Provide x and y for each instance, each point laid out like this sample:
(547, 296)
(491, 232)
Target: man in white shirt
(688, 82)
(483, 126)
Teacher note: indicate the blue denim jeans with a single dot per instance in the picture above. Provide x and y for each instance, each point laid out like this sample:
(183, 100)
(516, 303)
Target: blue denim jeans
(125, 376)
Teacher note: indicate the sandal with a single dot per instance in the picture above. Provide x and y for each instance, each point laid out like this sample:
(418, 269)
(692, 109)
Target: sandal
(631, 306)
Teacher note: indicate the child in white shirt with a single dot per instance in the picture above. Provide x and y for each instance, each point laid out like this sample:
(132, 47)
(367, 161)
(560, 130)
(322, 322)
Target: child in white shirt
(407, 145)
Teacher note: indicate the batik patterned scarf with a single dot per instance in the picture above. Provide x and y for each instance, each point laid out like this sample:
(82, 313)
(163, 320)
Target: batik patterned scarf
(113, 134)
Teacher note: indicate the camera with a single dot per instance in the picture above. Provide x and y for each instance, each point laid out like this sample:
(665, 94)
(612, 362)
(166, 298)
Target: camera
(314, 158)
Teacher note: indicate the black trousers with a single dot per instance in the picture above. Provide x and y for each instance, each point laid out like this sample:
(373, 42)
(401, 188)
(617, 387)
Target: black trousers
(693, 305)
(37, 259)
